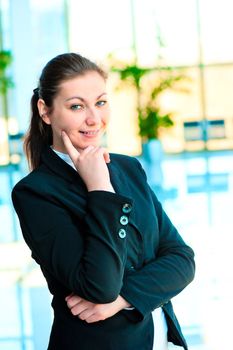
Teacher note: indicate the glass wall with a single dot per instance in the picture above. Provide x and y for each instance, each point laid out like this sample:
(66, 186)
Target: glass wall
(192, 36)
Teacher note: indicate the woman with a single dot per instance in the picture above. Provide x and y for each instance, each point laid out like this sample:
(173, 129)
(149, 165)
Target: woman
(107, 249)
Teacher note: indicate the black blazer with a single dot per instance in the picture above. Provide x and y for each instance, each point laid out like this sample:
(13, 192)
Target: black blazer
(79, 239)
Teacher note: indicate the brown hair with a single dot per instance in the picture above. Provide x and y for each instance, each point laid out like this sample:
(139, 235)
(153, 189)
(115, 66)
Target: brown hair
(60, 68)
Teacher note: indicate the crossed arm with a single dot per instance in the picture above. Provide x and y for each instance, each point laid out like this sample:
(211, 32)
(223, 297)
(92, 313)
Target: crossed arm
(152, 285)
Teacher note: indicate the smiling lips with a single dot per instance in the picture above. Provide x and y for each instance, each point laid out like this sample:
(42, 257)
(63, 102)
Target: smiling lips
(90, 133)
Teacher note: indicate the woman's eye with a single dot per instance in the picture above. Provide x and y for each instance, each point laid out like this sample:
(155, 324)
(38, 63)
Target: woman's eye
(76, 107)
(101, 103)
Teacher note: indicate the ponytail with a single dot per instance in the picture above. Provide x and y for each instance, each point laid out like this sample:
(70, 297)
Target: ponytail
(38, 135)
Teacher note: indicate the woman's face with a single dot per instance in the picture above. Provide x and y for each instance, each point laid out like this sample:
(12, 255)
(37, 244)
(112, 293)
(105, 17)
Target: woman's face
(81, 109)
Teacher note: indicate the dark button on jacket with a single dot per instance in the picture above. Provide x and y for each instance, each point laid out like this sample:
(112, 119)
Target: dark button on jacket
(127, 208)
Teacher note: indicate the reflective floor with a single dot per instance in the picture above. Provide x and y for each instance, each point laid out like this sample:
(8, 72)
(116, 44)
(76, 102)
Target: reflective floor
(197, 193)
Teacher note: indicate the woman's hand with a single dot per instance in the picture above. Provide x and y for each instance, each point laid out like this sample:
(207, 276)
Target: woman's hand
(91, 165)
(91, 312)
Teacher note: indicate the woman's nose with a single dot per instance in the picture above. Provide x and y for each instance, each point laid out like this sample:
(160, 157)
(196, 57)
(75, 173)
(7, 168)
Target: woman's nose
(93, 117)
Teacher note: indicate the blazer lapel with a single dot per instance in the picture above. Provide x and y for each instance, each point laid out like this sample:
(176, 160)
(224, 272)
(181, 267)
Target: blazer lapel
(64, 170)
(60, 168)
(118, 180)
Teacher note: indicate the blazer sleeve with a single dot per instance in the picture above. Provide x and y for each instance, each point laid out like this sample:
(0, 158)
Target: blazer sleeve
(86, 256)
(168, 274)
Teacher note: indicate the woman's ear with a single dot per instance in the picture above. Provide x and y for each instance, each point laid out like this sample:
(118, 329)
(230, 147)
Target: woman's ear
(43, 111)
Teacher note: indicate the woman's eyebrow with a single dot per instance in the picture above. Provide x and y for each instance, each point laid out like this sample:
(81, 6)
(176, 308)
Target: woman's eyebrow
(83, 99)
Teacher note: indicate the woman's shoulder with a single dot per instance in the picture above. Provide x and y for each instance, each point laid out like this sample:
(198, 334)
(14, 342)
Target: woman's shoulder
(36, 180)
(123, 159)
(127, 163)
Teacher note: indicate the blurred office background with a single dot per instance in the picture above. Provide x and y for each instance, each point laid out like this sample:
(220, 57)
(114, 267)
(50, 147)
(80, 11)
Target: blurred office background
(195, 181)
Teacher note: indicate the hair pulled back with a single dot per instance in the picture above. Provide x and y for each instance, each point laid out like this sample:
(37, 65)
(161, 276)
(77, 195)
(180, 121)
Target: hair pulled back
(61, 68)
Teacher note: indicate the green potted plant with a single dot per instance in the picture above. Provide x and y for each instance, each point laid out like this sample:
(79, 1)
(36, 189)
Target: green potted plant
(150, 84)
